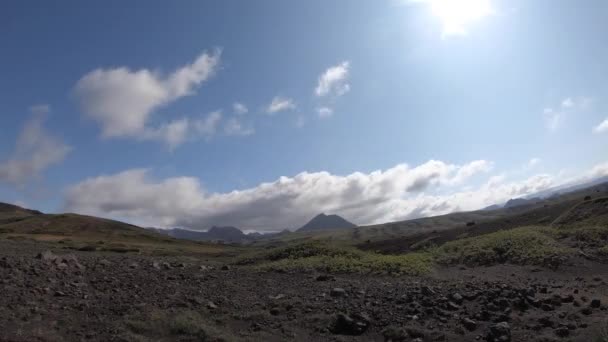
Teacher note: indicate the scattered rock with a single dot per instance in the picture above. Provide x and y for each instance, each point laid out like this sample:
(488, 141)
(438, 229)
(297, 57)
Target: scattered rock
(324, 277)
(46, 256)
(469, 324)
(562, 332)
(349, 325)
(337, 292)
(499, 332)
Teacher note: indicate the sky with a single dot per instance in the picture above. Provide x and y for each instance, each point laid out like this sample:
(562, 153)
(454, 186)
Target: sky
(262, 114)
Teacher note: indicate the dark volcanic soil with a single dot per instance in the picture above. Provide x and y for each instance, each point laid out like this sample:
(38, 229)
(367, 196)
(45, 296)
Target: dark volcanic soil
(112, 297)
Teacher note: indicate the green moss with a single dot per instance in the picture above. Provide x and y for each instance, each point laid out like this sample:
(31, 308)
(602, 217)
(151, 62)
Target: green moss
(409, 264)
(165, 325)
(526, 245)
(336, 259)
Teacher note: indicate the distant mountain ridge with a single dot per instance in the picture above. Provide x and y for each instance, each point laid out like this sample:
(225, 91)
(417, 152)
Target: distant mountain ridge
(326, 222)
(224, 234)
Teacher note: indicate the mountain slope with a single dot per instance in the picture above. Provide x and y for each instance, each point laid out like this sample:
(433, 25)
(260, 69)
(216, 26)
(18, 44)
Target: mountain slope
(225, 234)
(326, 222)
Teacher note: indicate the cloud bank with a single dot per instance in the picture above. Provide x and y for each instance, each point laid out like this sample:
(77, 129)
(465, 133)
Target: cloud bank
(602, 127)
(400, 192)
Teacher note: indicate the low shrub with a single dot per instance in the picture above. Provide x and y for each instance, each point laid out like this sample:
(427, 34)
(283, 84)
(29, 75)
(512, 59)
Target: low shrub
(526, 245)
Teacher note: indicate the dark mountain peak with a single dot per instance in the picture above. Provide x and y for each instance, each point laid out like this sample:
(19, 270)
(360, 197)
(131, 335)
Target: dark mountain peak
(326, 222)
(6, 207)
(225, 230)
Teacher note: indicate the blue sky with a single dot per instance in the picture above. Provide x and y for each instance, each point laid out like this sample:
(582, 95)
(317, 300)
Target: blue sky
(189, 113)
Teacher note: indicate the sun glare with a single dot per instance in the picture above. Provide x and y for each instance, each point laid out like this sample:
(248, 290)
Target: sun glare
(457, 14)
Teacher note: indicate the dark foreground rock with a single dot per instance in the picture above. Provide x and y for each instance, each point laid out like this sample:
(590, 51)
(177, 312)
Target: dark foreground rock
(51, 295)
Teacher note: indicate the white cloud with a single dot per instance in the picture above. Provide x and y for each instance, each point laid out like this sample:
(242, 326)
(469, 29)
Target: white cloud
(325, 112)
(239, 108)
(602, 127)
(207, 126)
(555, 117)
(379, 196)
(177, 132)
(334, 81)
(35, 151)
(280, 104)
(236, 127)
(122, 100)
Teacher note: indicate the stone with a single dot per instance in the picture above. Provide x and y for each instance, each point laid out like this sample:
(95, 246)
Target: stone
(469, 324)
(337, 292)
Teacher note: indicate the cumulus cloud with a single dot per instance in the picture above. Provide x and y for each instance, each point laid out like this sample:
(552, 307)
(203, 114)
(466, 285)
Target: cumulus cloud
(35, 150)
(555, 116)
(280, 104)
(379, 196)
(239, 108)
(325, 112)
(122, 100)
(334, 81)
(177, 132)
(235, 127)
(602, 127)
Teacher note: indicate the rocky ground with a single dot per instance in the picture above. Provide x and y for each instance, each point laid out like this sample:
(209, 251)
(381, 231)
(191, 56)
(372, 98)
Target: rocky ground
(63, 295)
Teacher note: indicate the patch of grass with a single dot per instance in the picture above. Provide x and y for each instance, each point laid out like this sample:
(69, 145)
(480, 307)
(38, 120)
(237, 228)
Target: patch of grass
(188, 323)
(408, 264)
(603, 251)
(161, 325)
(318, 256)
(589, 234)
(298, 251)
(526, 245)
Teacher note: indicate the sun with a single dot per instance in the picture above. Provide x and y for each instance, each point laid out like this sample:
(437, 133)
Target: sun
(457, 14)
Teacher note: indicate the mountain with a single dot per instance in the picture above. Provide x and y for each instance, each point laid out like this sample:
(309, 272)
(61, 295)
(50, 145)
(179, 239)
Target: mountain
(224, 234)
(516, 202)
(326, 222)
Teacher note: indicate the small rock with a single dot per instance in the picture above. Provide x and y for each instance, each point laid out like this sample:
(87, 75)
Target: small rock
(595, 303)
(347, 325)
(395, 334)
(225, 268)
(337, 292)
(457, 298)
(562, 332)
(104, 262)
(211, 305)
(469, 324)
(499, 332)
(324, 277)
(46, 256)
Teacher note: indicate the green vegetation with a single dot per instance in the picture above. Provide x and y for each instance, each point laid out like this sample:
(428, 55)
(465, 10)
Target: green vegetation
(324, 257)
(408, 264)
(171, 325)
(526, 245)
